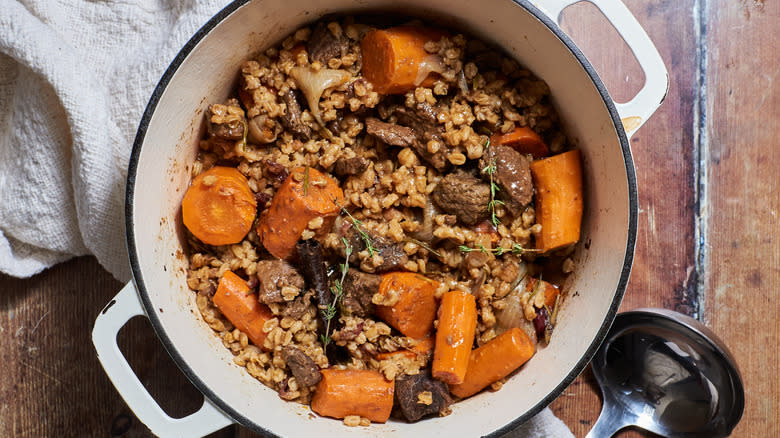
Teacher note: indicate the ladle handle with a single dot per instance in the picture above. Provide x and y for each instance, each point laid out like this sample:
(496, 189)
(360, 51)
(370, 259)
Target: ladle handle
(609, 422)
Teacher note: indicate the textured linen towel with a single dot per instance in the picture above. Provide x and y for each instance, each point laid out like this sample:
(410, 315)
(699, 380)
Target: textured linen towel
(75, 77)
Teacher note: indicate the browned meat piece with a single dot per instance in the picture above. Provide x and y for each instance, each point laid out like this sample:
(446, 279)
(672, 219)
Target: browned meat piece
(291, 119)
(424, 122)
(421, 395)
(464, 195)
(273, 275)
(323, 45)
(415, 128)
(297, 307)
(306, 372)
(390, 133)
(359, 288)
(226, 121)
(392, 253)
(513, 175)
(350, 166)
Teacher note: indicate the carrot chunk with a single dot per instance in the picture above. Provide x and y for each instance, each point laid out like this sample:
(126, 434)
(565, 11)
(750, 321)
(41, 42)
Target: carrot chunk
(353, 392)
(234, 300)
(305, 195)
(219, 207)
(524, 140)
(558, 181)
(415, 311)
(494, 361)
(395, 60)
(454, 336)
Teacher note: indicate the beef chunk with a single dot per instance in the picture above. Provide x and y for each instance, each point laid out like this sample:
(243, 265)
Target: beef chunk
(390, 133)
(359, 288)
(415, 128)
(392, 253)
(292, 118)
(350, 166)
(226, 121)
(464, 195)
(513, 175)
(313, 267)
(297, 307)
(273, 275)
(423, 120)
(306, 372)
(324, 46)
(412, 405)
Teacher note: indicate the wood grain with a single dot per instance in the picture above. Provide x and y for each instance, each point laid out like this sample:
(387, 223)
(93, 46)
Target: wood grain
(52, 383)
(742, 202)
(664, 270)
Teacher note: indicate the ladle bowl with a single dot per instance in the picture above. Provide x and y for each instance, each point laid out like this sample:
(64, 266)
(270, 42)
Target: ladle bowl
(667, 373)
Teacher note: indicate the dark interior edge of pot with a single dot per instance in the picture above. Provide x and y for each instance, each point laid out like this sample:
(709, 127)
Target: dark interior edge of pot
(203, 388)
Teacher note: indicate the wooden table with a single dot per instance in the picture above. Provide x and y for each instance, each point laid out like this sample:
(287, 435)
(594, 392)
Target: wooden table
(708, 242)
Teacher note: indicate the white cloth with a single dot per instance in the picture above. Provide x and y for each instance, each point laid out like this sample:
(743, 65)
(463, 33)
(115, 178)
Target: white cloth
(75, 77)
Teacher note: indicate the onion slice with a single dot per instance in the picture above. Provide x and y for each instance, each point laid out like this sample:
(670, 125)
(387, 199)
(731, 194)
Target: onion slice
(314, 83)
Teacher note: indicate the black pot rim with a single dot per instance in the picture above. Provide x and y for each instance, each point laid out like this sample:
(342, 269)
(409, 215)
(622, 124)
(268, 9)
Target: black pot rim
(227, 408)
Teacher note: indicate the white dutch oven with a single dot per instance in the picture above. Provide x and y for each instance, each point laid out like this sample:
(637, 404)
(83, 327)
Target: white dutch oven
(165, 147)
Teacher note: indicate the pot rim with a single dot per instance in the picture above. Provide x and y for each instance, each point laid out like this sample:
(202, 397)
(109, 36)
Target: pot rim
(227, 408)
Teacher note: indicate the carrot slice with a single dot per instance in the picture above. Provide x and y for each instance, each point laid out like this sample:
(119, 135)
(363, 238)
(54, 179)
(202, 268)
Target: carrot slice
(219, 207)
(494, 361)
(306, 194)
(558, 181)
(234, 300)
(353, 392)
(454, 336)
(524, 140)
(415, 311)
(395, 60)
(424, 347)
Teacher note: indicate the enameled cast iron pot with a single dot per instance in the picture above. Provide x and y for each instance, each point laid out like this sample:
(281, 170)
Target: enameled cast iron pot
(159, 172)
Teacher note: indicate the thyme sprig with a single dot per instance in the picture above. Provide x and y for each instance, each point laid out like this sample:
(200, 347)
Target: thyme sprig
(423, 245)
(306, 181)
(363, 235)
(537, 288)
(516, 249)
(337, 290)
(490, 170)
(357, 224)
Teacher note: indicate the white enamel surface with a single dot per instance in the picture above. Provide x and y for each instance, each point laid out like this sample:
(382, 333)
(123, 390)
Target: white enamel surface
(114, 316)
(170, 145)
(636, 111)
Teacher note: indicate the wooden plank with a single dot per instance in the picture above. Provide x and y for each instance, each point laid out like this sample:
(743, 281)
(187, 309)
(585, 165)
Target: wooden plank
(663, 149)
(743, 260)
(664, 156)
(52, 383)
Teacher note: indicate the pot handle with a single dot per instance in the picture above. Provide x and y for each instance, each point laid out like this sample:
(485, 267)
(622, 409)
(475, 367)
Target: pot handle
(636, 111)
(112, 318)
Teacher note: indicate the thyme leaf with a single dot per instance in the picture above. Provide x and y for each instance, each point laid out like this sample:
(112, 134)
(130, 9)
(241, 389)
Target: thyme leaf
(537, 288)
(424, 245)
(363, 235)
(306, 181)
(490, 170)
(357, 224)
(330, 311)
